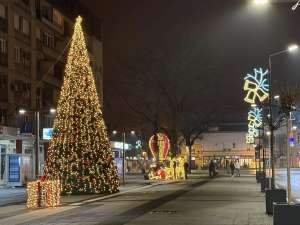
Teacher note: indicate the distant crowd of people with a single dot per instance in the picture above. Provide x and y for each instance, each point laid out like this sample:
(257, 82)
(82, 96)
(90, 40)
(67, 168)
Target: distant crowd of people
(234, 167)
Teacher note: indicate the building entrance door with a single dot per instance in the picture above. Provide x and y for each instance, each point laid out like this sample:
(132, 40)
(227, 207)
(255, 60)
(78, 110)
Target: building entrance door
(2, 161)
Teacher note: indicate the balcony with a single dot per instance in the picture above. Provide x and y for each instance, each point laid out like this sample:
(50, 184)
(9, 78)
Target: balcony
(3, 25)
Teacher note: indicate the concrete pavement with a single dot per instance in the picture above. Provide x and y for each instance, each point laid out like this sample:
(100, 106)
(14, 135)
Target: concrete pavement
(202, 201)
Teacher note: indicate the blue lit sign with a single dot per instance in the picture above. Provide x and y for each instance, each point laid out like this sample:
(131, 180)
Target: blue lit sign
(47, 133)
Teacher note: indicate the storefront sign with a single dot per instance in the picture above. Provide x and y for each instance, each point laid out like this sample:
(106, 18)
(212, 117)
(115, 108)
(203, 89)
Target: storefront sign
(47, 133)
(119, 145)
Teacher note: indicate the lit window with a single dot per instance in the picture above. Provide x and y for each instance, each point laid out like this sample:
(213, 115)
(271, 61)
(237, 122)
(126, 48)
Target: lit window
(48, 39)
(2, 11)
(25, 26)
(58, 18)
(3, 46)
(17, 54)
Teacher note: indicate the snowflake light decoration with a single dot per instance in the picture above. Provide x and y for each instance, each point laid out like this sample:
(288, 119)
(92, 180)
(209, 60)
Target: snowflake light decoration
(249, 139)
(255, 117)
(256, 86)
(253, 131)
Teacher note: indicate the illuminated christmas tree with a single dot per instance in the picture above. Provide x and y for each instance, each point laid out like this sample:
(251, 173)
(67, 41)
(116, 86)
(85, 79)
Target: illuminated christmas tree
(80, 154)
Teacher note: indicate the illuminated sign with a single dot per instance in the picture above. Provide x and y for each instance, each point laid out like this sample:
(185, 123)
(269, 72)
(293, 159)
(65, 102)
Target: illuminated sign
(256, 85)
(47, 133)
(119, 145)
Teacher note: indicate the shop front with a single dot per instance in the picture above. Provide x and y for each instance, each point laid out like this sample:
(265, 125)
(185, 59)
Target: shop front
(17, 157)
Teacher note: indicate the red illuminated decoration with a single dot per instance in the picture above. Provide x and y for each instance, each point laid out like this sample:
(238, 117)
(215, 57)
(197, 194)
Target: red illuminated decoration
(161, 147)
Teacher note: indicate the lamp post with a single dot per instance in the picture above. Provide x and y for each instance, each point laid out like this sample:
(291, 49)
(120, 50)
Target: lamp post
(123, 152)
(37, 135)
(291, 48)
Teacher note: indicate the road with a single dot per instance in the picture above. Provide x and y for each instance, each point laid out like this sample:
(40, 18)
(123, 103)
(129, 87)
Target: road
(220, 201)
(281, 182)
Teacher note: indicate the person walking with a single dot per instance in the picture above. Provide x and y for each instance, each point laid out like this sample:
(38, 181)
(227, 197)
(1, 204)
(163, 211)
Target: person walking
(232, 167)
(211, 169)
(237, 167)
(186, 169)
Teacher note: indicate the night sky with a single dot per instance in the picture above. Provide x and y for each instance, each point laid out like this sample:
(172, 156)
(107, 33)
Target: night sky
(234, 37)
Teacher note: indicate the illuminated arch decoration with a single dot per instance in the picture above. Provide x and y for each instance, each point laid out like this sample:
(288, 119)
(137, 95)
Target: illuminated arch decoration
(255, 117)
(162, 148)
(256, 86)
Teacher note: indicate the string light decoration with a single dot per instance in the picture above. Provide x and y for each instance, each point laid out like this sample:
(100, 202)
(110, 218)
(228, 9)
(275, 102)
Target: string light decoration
(33, 195)
(255, 117)
(79, 154)
(249, 139)
(256, 85)
(43, 194)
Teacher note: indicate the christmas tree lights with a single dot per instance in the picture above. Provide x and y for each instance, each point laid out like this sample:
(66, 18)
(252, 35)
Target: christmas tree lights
(80, 155)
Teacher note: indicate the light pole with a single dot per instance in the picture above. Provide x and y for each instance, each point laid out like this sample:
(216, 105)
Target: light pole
(291, 48)
(37, 135)
(123, 152)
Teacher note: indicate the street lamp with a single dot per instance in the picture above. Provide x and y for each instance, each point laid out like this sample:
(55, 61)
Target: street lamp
(295, 6)
(37, 136)
(123, 152)
(52, 110)
(22, 111)
(261, 2)
(291, 48)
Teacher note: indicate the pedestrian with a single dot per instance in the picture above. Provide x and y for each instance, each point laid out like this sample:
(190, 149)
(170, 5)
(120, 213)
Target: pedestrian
(237, 167)
(186, 168)
(232, 167)
(211, 168)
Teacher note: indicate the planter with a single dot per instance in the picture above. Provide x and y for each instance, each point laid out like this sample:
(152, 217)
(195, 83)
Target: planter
(274, 196)
(264, 184)
(285, 214)
(259, 176)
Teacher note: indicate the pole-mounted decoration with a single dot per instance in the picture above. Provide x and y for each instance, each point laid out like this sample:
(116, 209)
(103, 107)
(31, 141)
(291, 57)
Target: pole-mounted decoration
(257, 90)
(256, 85)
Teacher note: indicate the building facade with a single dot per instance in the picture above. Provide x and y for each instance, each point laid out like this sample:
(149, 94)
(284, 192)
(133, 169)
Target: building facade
(34, 39)
(222, 145)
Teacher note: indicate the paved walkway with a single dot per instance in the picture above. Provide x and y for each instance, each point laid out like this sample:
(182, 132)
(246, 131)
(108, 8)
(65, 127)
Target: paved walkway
(17, 195)
(198, 201)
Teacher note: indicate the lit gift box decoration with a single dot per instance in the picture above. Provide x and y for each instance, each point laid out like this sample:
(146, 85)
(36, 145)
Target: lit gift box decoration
(43, 193)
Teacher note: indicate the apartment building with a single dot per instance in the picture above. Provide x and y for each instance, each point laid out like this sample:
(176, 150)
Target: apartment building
(34, 37)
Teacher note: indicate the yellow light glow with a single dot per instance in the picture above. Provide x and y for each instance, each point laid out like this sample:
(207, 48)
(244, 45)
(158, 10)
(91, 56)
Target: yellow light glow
(79, 154)
(253, 92)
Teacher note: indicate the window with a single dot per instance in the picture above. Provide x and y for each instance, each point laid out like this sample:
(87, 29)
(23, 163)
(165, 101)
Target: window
(25, 26)
(2, 11)
(48, 40)
(17, 54)
(58, 18)
(17, 22)
(47, 13)
(3, 46)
